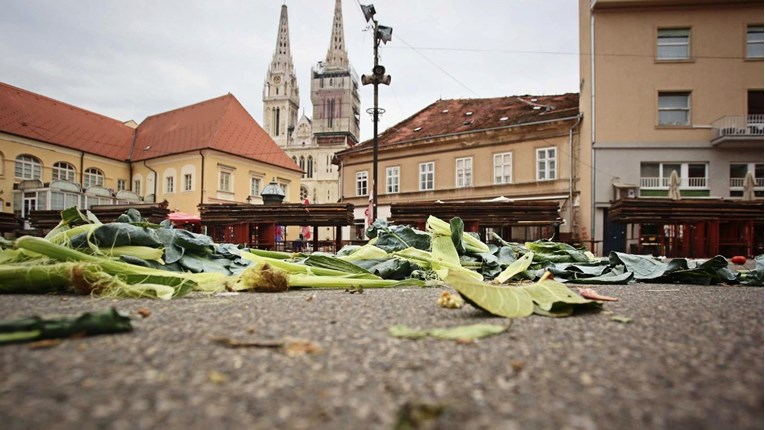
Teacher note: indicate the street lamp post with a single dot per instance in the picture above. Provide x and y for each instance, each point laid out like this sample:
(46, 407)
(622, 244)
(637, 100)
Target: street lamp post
(378, 76)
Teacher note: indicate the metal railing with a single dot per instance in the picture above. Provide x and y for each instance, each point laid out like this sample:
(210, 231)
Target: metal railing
(738, 126)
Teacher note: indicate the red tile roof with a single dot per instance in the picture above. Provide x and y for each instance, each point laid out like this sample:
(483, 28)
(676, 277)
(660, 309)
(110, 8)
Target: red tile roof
(221, 123)
(445, 117)
(40, 118)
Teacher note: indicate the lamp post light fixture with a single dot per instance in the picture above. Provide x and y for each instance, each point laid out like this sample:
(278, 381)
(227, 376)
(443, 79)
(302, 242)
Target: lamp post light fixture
(378, 76)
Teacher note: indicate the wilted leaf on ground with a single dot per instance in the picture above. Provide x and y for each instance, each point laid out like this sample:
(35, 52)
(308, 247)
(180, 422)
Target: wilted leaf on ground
(548, 292)
(465, 332)
(621, 319)
(290, 347)
(413, 416)
(504, 301)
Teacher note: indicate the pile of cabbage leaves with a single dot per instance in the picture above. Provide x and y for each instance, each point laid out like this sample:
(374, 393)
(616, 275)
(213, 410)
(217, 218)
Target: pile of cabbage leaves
(134, 258)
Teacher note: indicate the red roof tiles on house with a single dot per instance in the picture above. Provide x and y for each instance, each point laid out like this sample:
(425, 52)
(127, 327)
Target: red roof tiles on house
(221, 123)
(40, 118)
(445, 117)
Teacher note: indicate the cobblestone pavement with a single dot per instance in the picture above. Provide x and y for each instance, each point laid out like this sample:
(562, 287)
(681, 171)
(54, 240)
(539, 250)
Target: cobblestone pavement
(692, 358)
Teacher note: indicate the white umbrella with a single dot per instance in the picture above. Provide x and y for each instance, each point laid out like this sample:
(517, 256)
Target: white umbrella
(749, 184)
(674, 186)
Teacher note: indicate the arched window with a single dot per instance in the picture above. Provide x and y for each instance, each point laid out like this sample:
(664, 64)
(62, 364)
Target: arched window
(28, 167)
(93, 177)
(63, 171)
(309, 167)
(302, 164)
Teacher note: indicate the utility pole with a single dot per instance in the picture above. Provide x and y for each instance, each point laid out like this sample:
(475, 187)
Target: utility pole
(378, 76)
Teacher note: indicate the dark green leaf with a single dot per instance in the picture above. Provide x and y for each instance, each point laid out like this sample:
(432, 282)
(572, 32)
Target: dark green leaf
(121, 234)
(457, 227)
(88, 323)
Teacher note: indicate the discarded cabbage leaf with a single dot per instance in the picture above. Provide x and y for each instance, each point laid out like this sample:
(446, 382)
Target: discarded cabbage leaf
(504, 301)
(549, 292)
(465, 332)
(88, 323)
(515, 268)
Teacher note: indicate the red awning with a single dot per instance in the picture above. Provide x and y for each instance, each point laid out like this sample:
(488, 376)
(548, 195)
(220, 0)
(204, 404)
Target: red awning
(183, 217)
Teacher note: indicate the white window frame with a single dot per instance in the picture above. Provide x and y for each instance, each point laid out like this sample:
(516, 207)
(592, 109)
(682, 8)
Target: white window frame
(427, 176)
(668, 39)
(362, 183)
(137, 186)
(121, 184)
(63, 171)
(225, 181)
(463, 172)
(188, 182)
(393, 179)
(503, 168)
(92, 176)
(754, 41)
(547, 163)
(255, 186)
(683, 172)
(169, 184)
(664, 106)
(28, 167)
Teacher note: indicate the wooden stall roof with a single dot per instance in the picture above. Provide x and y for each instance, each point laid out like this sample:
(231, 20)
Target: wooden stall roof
(152, 212)
(667, 211)
(521, 213)
(326, 214)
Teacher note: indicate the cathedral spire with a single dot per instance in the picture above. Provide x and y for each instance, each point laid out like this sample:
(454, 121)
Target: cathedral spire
(337, 57)
(282, 61)
(281, 98)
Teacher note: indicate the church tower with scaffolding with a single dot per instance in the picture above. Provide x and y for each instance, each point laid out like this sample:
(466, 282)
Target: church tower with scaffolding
(334, 124)
(335, 92)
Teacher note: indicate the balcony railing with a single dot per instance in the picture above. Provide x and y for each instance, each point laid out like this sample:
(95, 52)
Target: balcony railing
(656, 182)
(739, 182)
(738, 126)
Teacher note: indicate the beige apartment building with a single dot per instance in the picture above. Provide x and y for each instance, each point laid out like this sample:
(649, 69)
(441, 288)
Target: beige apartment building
(668, 85)
(54, 155)
(472, 150)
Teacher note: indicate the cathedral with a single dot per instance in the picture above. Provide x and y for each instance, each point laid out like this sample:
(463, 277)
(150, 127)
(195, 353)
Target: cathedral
(334, 126)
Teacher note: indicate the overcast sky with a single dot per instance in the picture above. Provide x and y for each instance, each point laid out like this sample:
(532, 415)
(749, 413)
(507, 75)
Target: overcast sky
(129, 60)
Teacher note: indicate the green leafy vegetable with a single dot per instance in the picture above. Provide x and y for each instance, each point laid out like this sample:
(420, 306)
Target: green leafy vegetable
(515, 268)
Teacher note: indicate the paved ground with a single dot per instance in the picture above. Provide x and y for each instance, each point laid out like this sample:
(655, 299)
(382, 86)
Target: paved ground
(692, 358)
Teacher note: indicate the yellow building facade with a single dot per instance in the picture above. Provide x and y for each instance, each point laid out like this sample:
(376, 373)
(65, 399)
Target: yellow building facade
(506, 148)
(55, 155)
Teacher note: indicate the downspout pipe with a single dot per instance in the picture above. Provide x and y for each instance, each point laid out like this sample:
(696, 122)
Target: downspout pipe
(82, 170)
(571, 172)
(202, 179)
(130, 160)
